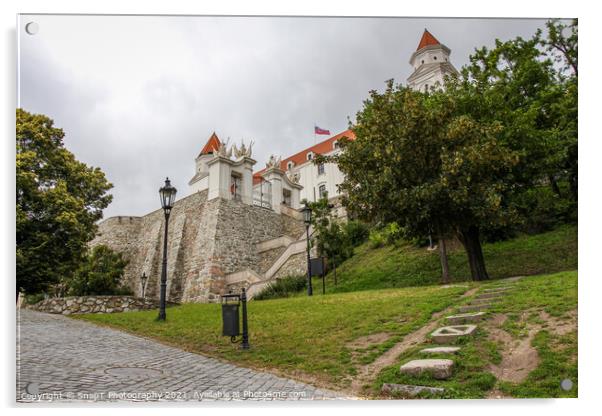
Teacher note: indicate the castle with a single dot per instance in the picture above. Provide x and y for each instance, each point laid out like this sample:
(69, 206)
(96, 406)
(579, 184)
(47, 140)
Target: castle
(238, 227)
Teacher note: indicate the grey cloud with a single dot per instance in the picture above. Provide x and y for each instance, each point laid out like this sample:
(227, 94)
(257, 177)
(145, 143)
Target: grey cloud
(139, 96)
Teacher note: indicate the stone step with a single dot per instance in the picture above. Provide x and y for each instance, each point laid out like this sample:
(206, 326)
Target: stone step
(474, 308)
(451, 333)
(465, 318)
(476, 301)
(497, 289)
(408, 390)
(439, 369)
(440, 350)
(491, 295)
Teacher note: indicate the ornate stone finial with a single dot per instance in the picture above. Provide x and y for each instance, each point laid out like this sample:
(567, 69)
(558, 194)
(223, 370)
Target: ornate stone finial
(242, 151)
(223, 150)
(273, 162)
(294, 177)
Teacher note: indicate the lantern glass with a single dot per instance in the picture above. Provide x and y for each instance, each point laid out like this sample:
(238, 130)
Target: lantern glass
(168, 195)
(307, 215)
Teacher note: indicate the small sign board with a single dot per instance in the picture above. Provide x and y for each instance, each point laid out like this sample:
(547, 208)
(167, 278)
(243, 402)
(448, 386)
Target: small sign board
(318, 266)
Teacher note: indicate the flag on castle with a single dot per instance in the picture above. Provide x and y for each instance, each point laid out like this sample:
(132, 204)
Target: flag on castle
(318, 130)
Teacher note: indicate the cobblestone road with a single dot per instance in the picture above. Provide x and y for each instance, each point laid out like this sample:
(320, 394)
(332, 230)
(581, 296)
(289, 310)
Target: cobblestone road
(65, 360)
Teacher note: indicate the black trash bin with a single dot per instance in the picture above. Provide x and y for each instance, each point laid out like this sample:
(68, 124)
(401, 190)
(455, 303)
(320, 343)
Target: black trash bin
(230, 316)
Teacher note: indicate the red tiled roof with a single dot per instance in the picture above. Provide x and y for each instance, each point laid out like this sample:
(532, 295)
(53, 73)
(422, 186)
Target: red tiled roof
(301, 157)
(427, 40)
(211, 146)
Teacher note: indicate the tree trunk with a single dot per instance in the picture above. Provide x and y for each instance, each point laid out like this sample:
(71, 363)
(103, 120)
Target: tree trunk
(469, 237)
(554, 185)
(444, 265)
(334, 270)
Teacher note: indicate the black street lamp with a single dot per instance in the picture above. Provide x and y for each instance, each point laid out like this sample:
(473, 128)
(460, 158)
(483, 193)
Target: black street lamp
(168, 196)
(143, 280)
(306, 210)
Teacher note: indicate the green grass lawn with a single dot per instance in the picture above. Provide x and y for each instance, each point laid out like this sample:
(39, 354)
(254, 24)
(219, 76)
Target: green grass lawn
(404, 266)
(303, 337)
(311, 339)
(555, 294)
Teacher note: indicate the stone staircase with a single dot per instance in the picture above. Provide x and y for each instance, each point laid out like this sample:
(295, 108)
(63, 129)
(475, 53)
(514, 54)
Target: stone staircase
(462, 325)
(255, 281)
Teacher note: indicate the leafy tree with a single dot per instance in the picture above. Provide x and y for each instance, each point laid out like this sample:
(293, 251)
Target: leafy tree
(332, 240)
(59, 200)
(467, 159)
(100, 274)
(416, 162)
(530, 88)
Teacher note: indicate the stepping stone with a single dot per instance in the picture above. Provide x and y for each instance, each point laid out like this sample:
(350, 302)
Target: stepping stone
(474, 308)
(409, 390)
(497, 289)
(451, 333)
(441, 350)
(465, 317)
(491, 295)
(438, 369)
(482, 301)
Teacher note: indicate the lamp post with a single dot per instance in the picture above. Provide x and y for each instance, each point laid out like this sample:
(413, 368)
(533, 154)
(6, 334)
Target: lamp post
(167, 194)
(143, 280)
(307, 220)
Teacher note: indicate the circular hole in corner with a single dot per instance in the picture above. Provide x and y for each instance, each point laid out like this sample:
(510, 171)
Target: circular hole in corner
(32, 28)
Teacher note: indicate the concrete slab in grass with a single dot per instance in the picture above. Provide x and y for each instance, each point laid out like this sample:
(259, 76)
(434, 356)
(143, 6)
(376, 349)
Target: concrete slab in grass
(407, 390)
(497, 289)
(464, 318)
(476, 301)
(474, 308)
(451, 333)
(440, 350)
(491, 295)
(440, 369)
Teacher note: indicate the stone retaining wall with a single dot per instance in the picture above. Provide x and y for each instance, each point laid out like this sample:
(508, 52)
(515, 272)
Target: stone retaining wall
(92, 304)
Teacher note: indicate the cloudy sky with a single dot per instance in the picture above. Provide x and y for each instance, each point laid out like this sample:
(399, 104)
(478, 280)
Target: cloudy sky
(139, 96)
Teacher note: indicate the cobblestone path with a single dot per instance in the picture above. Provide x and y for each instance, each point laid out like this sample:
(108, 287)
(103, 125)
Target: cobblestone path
(66, 360)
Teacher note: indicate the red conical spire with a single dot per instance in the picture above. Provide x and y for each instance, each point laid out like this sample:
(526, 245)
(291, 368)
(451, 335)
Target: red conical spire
(212, 145)
(427, 40)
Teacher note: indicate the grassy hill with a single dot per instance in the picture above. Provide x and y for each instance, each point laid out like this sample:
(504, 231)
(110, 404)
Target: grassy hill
(328, 340)
(403, 266)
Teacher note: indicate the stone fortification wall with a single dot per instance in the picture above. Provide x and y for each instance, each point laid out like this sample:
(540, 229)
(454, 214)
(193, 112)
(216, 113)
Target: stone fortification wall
(206, 241)
(92, 304)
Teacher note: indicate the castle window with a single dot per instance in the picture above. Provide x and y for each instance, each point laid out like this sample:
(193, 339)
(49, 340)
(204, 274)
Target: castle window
(426, 87)
(335, 145)
(422, 61)
(290, 165)
(286, 197)
(321, 169)
(310, 156)
(322, 191)
(235, 186)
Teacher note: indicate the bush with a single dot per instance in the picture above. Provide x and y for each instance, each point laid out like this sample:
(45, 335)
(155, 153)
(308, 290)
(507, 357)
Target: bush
(390, 234)
(357, 232)
(100, 274)
(283, 288)
(377, 239)
(34, 298)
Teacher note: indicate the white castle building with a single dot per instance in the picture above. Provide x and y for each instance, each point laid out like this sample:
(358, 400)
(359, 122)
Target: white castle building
(286, 182)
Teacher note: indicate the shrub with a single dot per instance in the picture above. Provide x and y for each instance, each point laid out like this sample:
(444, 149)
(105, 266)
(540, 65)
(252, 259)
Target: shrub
(377, 239)
(357, 232)
(283, 288)
(390, 234)
(100, 274)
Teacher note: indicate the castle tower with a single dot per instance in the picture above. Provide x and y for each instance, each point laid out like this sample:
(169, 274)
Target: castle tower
(431, 64)
(200, 181)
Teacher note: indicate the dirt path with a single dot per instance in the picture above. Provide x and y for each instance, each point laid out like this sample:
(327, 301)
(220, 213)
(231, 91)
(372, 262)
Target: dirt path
(519, 357)
(370, 371)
